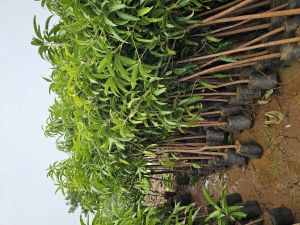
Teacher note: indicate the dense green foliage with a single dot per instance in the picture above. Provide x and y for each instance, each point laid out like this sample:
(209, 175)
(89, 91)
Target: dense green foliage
(111, 75)
(180, 215)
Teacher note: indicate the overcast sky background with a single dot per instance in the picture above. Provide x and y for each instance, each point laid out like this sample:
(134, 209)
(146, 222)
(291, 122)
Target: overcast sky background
(26, 196)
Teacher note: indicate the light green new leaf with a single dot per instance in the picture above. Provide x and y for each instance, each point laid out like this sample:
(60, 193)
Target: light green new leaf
(115, 6)
(127, 17)
(144, 11)
(107, 59)
(213, 39)
(134, 76)
(210, 200)
(196, 166)
(213, 215)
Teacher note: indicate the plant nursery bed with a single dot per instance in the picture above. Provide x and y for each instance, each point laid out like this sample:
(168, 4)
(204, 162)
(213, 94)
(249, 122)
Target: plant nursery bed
(273, 180)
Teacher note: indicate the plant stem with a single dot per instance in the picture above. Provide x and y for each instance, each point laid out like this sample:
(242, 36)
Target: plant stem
(225, 84)
(160, 179)
(235, 57)
(212, 124)
(186, 158)
(227, 11)
(214, 100)
(233, 65)
(220, 8)
(263, 45)
(210, 113)
(244, 30)
(182, 144)
(276, 31)
(250, 7)
(289, 12)
(246, 21)
(166, 172)
(184, 138)
(218, 94)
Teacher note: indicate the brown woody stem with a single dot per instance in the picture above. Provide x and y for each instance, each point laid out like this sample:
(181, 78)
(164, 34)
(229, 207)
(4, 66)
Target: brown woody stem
(244, 30)
(220, 8)
(227, 11)
(246, 21)
(250, 7)
(263, 45)
(241, 63)
(289, 12)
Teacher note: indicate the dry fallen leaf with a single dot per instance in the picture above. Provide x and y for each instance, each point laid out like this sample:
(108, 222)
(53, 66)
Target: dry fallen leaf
(266, 98)
(273, 117)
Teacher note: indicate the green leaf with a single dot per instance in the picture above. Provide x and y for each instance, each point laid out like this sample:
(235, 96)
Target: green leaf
(127, 61)
(144, 11)
(143, 71)
(224, 200)
(109, 22)
(37, 28)
(189, 101)
(37, 42)
(115, 6)
(47, 22)
(183, 3)
(227, 59)
(127, 17)
(234, 208)
(81, 221)
(210, 200)
(196, 166)
(124, 162)
(213, 39)
(180, 71)
(164, 113)
(207, 85)
(220, 76)
(213, 215)
(116, 36)
(134, 76)
(153, 20)
(238, 215)
(150, 154)
(134, 100)
(121, 69)
(107, 59)
(158, 92)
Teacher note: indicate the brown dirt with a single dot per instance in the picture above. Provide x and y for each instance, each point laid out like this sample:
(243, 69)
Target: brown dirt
(273, 180)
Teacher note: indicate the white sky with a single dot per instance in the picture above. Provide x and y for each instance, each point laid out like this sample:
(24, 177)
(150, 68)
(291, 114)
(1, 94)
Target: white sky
(26, 196)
